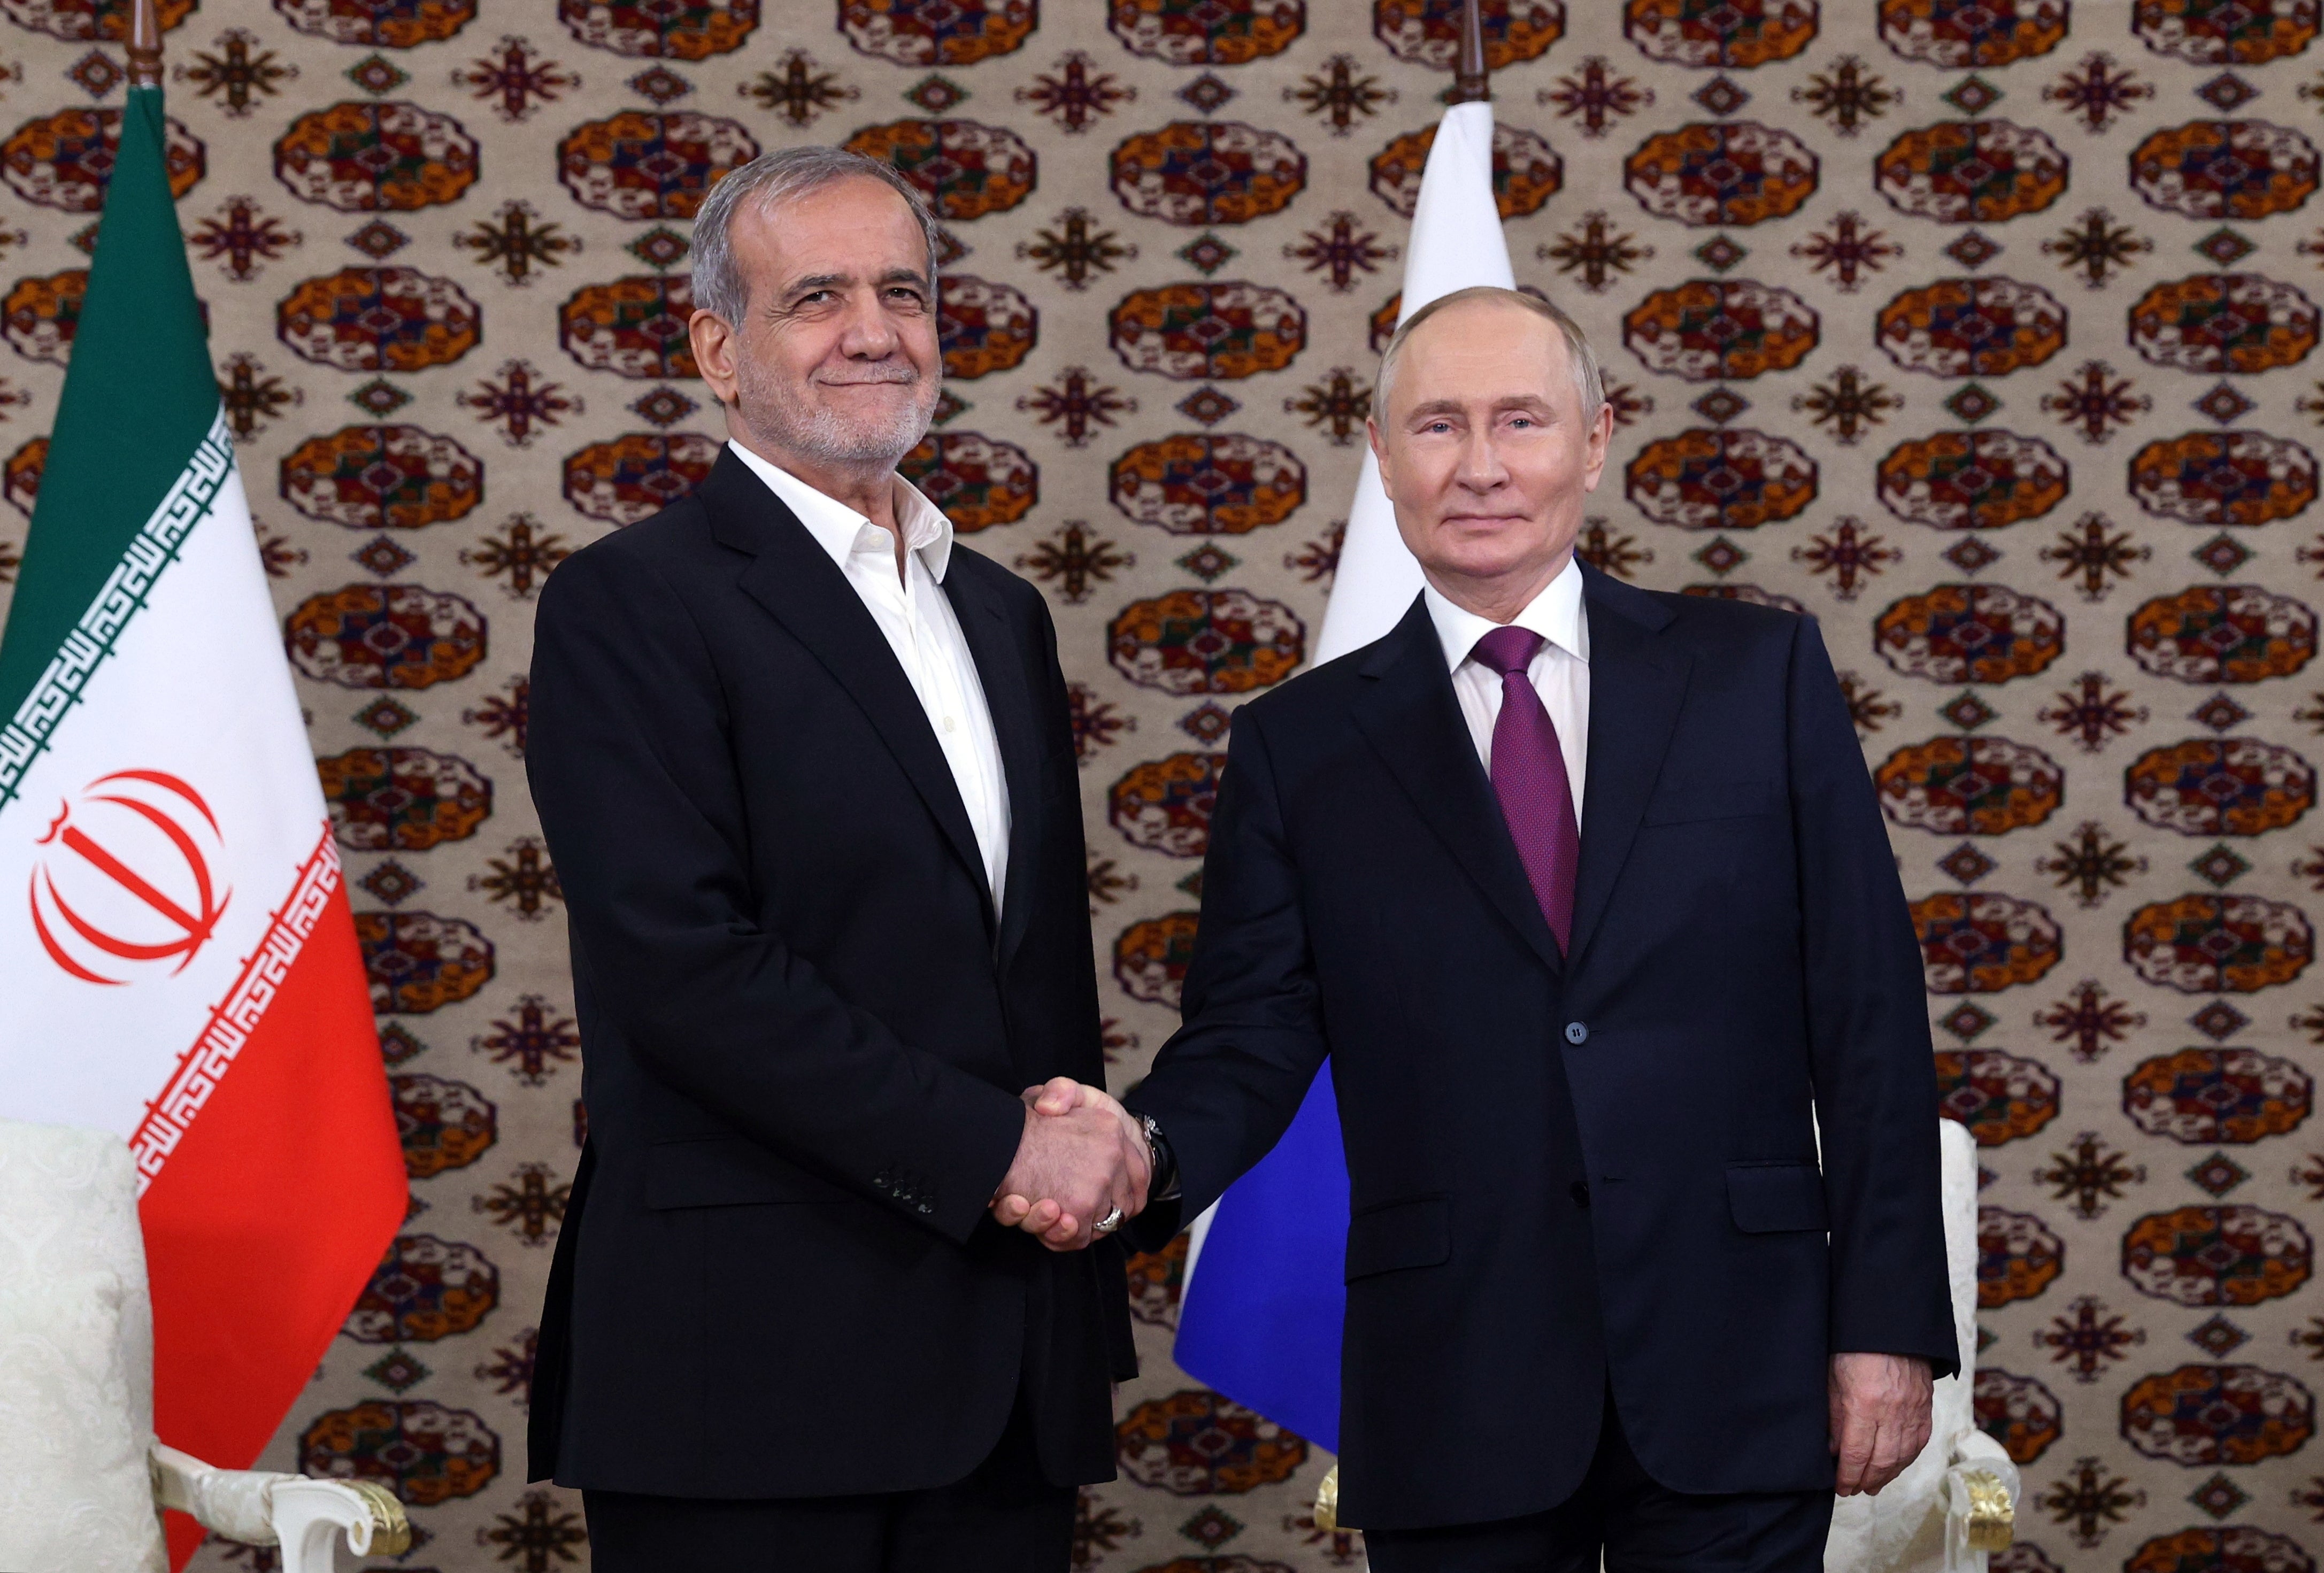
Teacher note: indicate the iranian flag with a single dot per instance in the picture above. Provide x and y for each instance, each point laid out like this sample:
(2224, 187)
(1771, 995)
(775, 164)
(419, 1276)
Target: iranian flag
(176, 960)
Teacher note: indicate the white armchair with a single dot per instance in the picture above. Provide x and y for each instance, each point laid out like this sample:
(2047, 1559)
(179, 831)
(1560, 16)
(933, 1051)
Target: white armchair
(1957, 1503)
(82, 1477)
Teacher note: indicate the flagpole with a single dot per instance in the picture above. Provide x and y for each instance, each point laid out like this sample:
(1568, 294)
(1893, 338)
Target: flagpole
(1467, 72)
(145, 45)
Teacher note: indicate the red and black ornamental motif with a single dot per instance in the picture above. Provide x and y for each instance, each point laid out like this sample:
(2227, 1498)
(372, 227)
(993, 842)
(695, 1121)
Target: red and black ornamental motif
(1193, 331)
(2223, 633)
(372, 158)
(2224, 477)
(1708, 330)
(1428, 31)
(1200, 484)
(938, 33)
(1960, 36)
(2236, 169)
(2215, 323)
(1206, 641)
(2207, 1097)
(418, 961)
(985, 327)
(961, 169)
(426, 1453)
(672, 30)
(1998, 1097)
(1973, 480)
(1165, 804)
(640, 165)
(634, 327)
(636, 477)
(379, 319)
(63, 159)
(2226, 33)
(1972, 327)
(402, 799)
(1969, 786)
(1971, 171)
(443, 1124)
(1206, 32)
(1732, 173)
(1737, 34)
(2218, 1255)
(385, 636)
(1970, 633)
(1982, 942)
(424, 1288)
(1721, 478)
(382, 477)
(2198, 1415)
(2207, 944)
(1198, 172)
(2215, 787)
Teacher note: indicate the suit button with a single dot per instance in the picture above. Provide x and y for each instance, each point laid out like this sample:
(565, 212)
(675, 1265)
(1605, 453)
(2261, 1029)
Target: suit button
(1576, 1034)
(1579, 1191)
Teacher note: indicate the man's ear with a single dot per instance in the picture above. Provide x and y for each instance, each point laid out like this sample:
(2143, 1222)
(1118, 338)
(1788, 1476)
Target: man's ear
(713, 341)
(1600, 444)
(1378, 441)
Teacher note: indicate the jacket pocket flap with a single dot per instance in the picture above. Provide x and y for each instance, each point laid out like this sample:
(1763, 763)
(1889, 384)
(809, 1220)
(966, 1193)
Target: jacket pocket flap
(1769, 1198)
(727, 1172)
(1417, 1233)
(1715, 800)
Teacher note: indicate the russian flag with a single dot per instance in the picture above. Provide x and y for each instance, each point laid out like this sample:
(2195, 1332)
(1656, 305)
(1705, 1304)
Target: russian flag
(1260, 1320)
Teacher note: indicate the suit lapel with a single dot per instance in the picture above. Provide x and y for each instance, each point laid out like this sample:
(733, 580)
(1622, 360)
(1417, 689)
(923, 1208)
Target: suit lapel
(1414, 723)
(1636, 688)
(793, 578)
(1001, 672)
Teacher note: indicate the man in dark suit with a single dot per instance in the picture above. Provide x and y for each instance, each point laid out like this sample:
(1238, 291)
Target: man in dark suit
(1585, 893)
(805, 767)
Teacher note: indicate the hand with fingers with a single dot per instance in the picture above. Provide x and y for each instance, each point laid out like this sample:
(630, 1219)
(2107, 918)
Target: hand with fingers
(1081, 1168)
(1880, 1406)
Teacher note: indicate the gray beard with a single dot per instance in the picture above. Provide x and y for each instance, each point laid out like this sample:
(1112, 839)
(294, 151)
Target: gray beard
(781, 419)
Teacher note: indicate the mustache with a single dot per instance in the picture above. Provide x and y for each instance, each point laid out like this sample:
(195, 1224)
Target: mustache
(872, 375)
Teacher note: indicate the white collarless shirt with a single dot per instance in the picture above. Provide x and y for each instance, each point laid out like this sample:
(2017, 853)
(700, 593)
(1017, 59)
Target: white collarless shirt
(916, 617)
(1560, 669)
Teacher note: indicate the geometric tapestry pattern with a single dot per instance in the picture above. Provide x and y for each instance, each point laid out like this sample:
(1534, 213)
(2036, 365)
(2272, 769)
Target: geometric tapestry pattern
(1986, 333)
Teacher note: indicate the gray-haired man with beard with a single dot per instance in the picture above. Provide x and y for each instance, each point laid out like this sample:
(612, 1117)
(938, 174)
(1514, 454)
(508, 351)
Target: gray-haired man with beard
(806, 771)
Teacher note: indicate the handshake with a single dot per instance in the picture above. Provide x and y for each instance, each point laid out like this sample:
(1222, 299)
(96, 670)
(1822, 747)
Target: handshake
(1082, 1167)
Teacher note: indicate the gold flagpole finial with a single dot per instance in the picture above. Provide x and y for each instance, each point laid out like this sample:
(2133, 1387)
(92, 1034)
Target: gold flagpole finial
(144, 45)
(1469, 71)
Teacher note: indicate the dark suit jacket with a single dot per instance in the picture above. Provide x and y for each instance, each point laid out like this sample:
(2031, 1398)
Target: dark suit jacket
(803, 1033)
(1572, 1171)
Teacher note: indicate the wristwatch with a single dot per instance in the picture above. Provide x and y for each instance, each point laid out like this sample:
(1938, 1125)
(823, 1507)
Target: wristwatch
(1160, 1159)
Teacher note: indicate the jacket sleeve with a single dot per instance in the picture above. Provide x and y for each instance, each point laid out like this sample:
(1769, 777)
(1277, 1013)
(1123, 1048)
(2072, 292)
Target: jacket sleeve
(1873, 1068)
(1227, 1084)
(642, 805)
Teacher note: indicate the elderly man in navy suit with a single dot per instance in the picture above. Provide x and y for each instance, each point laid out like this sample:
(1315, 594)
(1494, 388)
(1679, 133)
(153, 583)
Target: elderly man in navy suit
(1585, 891)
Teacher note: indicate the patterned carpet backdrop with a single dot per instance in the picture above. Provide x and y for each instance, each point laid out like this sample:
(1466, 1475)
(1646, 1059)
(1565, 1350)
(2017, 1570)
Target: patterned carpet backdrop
(1982, 330)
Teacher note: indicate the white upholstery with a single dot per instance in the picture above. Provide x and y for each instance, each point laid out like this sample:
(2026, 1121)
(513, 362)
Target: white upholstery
(1918, 1523)
(82, 1479)
(76, 1357)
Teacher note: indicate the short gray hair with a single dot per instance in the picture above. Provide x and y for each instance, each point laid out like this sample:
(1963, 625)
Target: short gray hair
(1589, 380)
(768, 181)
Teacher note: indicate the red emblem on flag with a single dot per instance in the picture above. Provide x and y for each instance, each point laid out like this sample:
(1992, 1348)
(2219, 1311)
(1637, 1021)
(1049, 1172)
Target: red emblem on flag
(130, 883)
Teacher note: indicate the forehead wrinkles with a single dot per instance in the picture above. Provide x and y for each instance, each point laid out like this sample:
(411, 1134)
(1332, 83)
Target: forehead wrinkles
(1440, 341)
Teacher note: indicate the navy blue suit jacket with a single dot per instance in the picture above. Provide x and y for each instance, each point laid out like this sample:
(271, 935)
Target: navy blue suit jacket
(804, 1028)
(1572, 1170)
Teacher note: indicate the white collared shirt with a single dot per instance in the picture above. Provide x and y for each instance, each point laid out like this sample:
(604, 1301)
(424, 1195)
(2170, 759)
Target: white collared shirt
(917, 618)
(1560, 669)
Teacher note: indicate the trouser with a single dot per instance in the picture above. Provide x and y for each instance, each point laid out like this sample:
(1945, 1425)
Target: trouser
(1005, 1517)
(1637, 1525)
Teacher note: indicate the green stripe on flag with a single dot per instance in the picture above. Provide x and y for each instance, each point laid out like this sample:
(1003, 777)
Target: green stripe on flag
(140, 398)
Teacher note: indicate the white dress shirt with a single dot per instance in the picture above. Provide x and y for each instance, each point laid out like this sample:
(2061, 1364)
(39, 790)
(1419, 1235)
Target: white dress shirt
(917, 618)
(1560, 670)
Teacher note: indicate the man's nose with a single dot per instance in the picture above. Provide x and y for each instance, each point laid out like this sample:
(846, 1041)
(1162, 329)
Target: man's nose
(1480, 469)
(868, 333)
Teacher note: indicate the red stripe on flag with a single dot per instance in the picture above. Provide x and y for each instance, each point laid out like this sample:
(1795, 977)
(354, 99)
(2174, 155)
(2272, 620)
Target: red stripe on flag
(273, 1208)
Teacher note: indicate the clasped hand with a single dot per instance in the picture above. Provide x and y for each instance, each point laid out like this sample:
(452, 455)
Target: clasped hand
(1082, 1155)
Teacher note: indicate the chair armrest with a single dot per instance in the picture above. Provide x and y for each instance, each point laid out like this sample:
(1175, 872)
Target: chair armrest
(1981, 1489)
(300, 1515)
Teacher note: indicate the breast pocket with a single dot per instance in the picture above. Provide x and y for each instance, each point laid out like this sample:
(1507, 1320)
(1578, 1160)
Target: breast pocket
(1398, 1235)
(1684, 805)
(1775, 1198)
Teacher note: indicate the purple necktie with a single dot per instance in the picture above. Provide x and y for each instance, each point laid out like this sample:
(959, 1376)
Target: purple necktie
(1529, 778)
